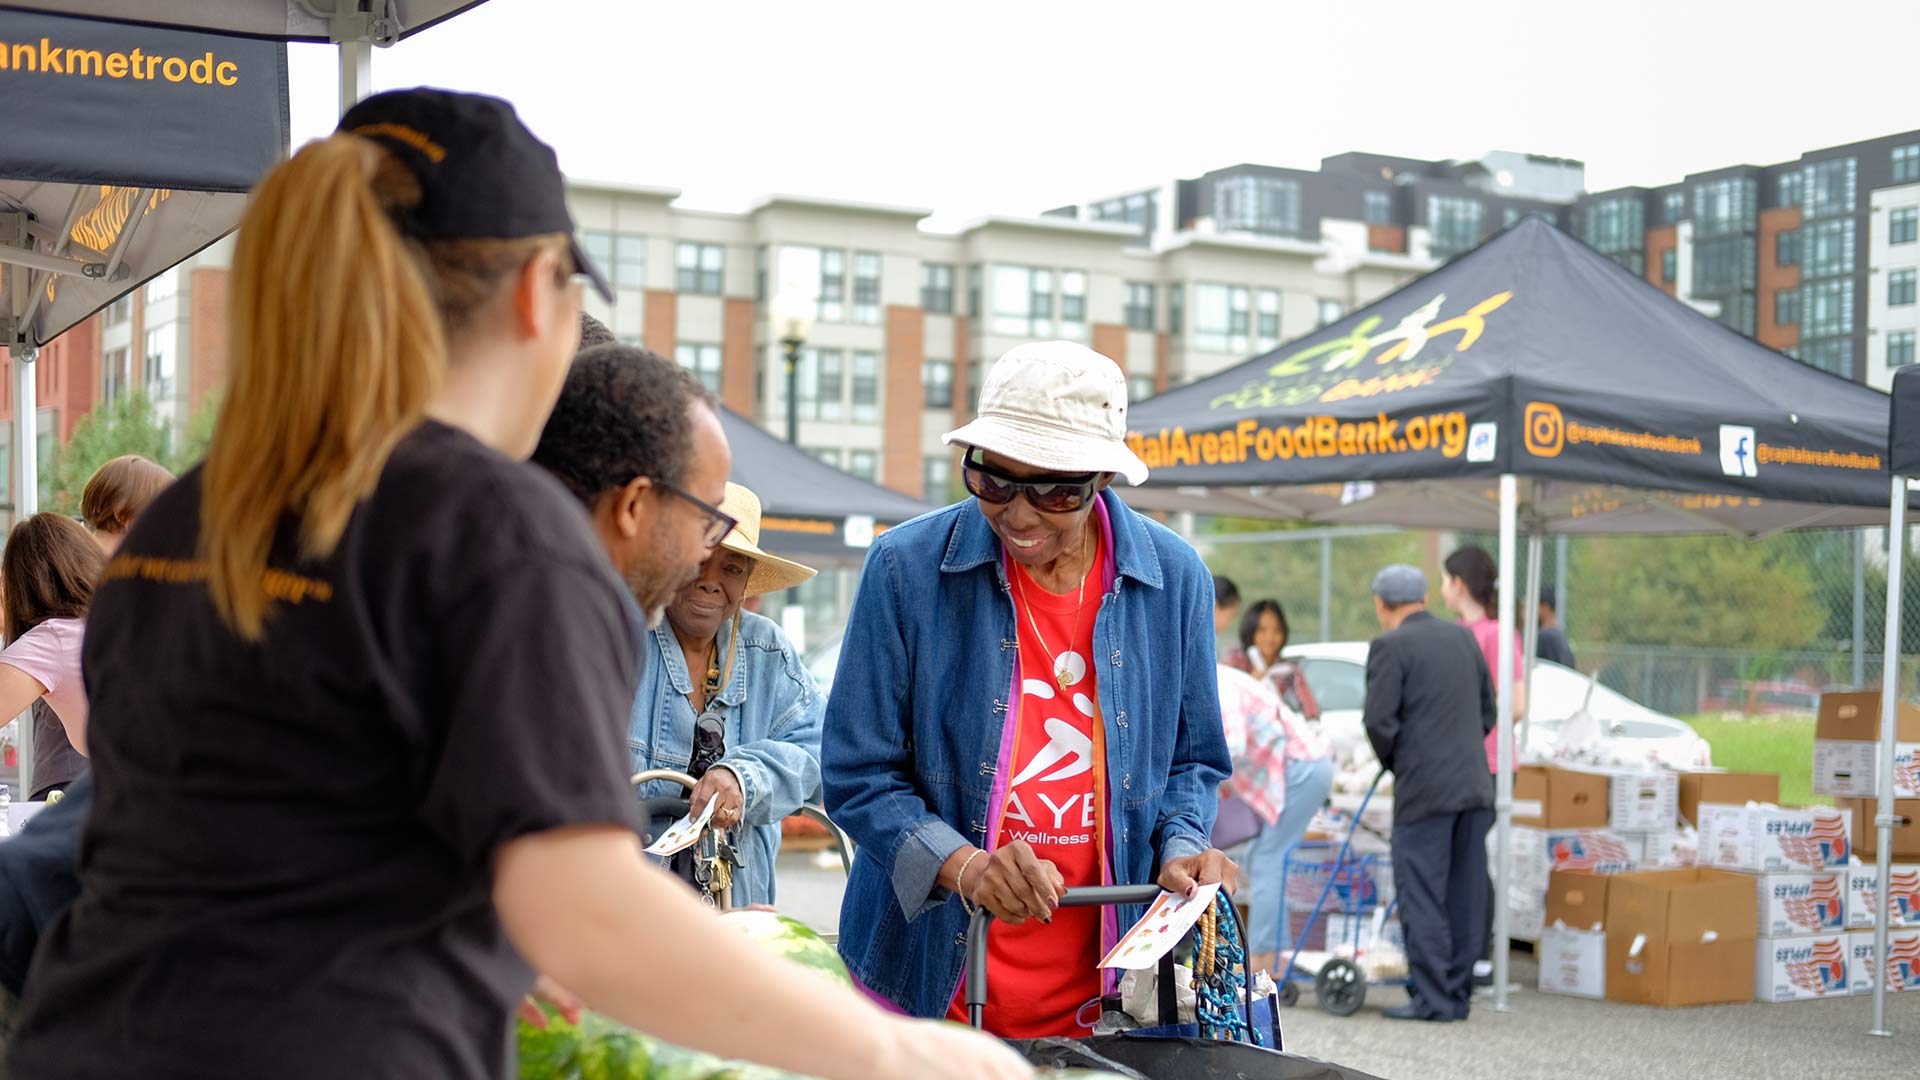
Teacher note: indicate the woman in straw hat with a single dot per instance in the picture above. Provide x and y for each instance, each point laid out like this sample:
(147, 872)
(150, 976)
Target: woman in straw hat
(726, 696)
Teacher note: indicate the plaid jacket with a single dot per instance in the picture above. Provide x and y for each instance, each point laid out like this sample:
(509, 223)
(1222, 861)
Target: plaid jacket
(1263, 735)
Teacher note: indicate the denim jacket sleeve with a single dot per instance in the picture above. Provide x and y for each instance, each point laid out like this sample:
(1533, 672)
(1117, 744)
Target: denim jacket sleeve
(1200, 760)
(866, 764)
(781, 771)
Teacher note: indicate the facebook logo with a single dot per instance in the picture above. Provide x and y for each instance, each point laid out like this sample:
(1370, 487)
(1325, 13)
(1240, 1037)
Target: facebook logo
(1736, 451)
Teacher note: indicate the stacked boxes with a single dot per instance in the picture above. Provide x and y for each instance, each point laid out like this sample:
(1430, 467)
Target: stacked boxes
(1768, 839)
(1795, 904)
(1680, 937)
(1573, 945)
(1863, 894)
(1802, 968)
(1846, 747)
(1863, 969)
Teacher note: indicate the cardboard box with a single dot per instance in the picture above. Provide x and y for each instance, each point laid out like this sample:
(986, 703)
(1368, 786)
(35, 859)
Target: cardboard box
(1577, 899)
(1863, 967)
(1573, 962)
(1641, 801)
(1866, 836)
(1846, 747)
(1802, 968)
(1767, 839)
(1680, 937)
(1664, 850)
(1726, 788)
(1792, 905)
(1552, 798)
(1863, 893)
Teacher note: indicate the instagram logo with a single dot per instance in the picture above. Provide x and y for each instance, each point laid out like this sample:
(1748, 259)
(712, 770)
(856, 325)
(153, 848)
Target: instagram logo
(1545, 428)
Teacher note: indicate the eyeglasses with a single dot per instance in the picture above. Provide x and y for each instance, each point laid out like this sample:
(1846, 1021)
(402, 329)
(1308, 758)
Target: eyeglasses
(719, 523)
(1052, 494)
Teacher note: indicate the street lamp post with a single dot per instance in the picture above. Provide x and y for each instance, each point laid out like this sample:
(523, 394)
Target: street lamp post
(792, 322)
(792, 347)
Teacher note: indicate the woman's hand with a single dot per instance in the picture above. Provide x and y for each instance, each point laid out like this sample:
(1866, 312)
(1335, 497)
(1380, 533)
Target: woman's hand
(1183, 875)
(718, 783)
(547, 991)
(1015, 884)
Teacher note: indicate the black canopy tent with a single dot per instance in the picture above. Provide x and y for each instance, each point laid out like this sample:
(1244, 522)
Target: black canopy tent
(814, 513)
(1903, 457)
(127, 149)
(1531, 358)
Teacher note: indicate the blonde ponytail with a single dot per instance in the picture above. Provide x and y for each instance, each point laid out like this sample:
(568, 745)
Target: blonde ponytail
(337, 346)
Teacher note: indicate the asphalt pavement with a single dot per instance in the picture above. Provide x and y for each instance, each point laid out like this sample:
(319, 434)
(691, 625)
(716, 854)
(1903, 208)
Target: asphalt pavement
(1549, 1037)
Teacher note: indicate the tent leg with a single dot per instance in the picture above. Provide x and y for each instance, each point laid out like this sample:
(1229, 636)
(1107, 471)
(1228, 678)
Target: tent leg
(1530, 618)
(356, 73)
(1889, 707)
(26, 501)
(1503, 776)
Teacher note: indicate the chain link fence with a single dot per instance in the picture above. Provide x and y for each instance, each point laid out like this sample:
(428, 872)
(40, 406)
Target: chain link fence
(1685, 624)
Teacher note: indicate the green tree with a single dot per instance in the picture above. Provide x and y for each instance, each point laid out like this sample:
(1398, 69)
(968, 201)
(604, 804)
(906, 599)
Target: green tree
(126, 425)
(1696, 592)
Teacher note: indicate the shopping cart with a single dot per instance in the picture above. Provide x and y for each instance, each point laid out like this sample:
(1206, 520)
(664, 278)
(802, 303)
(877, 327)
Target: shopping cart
(1360, 888)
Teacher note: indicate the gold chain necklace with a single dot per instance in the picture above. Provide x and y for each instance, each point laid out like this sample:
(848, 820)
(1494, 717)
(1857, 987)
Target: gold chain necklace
(1062, 674)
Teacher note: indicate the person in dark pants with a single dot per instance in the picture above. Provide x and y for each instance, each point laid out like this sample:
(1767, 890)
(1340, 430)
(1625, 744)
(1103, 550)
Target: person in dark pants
(1429, 707)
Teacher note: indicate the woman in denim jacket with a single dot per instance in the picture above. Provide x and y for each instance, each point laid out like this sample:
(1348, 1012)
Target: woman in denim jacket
(710, 656)
(1025, 703)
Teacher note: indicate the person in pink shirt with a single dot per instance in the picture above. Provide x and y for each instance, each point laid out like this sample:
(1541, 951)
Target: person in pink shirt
(49, 570)
(1471, 587)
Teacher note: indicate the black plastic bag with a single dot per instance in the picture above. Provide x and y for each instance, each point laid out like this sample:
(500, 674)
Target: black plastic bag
(1153, 1058)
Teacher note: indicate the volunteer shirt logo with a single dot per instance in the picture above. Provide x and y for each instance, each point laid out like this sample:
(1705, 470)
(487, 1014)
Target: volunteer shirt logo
(1064, 743)
(1067, 756)
(1737, 455)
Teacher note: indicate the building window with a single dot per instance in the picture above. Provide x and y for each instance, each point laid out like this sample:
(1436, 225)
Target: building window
(1724, 265)
(113, 375)
(1614, 225)
(866, 287)
(1899, 348)
(1328, 312)
(703, 361)
(1786, 248)
(1073, 304)
(936, 288)
(1827, 248)
(1723, 206)
(936, 380)
(975, 372)
(1267, 328)
(120, 310)
(622, 256)
(1900, 291)
(1786, 307)
(833, 285)
(760, 273)
(1139, 388)
(823, 384)
(976, 278)
(829, 455)
(1826, 308)
(1791, 188)
(1379, 208)
(1453, 224)
(1221, 319)
(1675, 205)
(861, 463)
(1828, 187)
(1835, 356)
(1176, 310)
(866, 387)
(159, 364)
(1262, 204)
(1141, 208)
(1669, 265)
(700, 268)
(936, 478)
(1022, 301)
(1139, 306)
(1903, 225)
(1906, 164)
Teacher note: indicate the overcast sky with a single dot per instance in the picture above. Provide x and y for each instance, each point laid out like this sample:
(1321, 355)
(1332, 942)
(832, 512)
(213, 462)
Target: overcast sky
(1013, 107)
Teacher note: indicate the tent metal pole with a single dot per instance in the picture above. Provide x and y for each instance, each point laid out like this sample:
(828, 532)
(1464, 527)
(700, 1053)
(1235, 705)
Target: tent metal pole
(1560, 573)
(356, 73)
(26, 498)
(1503, 777)
(1859, 607)
(60, 246)
(1530, 648)
(1889, 710)
(1326, 588)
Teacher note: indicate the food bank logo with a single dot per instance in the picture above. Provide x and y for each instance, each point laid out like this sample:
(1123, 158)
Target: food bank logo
(1738, 454)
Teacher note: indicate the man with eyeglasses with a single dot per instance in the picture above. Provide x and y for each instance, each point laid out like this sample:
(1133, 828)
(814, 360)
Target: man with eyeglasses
(1025, 704)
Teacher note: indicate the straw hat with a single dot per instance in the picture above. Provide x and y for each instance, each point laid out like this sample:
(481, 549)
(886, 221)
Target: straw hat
(771, 573)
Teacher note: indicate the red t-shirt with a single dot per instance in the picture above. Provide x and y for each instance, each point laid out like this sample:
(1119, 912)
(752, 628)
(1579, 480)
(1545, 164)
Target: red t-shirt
(1041, 976)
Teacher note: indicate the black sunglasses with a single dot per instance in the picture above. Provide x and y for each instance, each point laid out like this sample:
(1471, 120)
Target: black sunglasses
(719, 522)
(1052, 494)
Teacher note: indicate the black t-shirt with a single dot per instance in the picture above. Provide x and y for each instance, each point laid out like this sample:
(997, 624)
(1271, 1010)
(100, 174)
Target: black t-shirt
(287, 871)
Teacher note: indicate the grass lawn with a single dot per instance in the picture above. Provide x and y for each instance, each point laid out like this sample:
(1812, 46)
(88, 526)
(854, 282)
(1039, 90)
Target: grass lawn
(1781, 745)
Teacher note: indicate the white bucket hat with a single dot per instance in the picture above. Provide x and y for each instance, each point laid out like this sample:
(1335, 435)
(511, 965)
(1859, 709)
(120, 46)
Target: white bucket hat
(1055, 405)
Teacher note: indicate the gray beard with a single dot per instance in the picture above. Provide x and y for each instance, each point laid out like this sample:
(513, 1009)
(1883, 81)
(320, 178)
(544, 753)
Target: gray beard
(656, 616)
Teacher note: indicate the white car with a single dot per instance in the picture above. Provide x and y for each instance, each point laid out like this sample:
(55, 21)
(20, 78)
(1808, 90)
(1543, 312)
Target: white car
(1336, 673)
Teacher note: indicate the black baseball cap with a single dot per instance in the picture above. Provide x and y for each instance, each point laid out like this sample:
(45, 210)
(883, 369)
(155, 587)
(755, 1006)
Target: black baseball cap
(483, 175)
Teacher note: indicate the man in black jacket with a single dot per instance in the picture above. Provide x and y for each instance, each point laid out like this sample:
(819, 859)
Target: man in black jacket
(1429, 707)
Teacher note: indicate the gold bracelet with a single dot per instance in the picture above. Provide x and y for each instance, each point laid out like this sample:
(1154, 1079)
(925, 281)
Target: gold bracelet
(960, 883)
